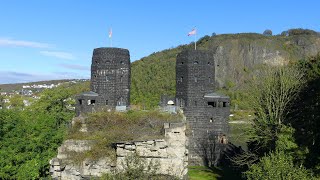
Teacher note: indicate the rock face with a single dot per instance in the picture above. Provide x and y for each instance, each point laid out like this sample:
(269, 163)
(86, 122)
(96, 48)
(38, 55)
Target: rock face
(169, 153)
(236, 54)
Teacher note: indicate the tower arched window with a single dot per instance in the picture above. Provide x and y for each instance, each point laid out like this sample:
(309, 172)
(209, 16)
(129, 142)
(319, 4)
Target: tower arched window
(195, 62)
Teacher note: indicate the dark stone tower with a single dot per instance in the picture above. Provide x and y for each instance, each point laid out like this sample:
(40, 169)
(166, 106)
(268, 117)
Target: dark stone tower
(110, 81)
(206, 112)
(110, 75)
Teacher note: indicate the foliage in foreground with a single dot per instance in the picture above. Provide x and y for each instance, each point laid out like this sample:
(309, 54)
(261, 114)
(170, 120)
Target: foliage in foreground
(277, 165)
(284, 136)
(29, 138)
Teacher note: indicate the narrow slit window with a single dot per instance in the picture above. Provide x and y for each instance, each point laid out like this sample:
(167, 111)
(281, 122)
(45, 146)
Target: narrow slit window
(80, 101)
(107, 102)
(195, 79)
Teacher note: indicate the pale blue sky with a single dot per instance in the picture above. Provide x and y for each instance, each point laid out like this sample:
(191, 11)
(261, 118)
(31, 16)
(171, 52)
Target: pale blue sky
(41, 40)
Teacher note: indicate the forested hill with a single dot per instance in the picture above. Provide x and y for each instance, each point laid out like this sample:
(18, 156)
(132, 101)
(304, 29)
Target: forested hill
(235, 55)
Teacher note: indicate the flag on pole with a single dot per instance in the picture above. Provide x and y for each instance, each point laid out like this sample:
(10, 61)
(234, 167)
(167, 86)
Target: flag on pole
(110, 33)
(193, 32)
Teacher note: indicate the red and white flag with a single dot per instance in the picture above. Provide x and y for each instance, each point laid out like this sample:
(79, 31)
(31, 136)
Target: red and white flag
(110, 33)
(193, 32)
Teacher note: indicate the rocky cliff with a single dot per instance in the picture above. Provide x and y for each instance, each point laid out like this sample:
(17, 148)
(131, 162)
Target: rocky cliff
(237, 54)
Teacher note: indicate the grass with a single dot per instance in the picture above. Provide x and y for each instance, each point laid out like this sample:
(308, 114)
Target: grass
(203, 173)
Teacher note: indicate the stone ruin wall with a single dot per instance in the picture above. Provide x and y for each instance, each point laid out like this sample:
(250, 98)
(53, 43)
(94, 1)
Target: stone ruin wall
(170, 153)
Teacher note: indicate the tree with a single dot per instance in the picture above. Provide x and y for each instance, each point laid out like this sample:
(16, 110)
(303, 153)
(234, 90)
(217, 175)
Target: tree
(17, 102)
(267, 32)
(271, 94)
(277, 165)
(30, 137)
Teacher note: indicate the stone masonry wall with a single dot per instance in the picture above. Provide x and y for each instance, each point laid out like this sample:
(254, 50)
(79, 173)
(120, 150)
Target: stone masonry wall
(110, 75)
(195, 76)
(170, 153)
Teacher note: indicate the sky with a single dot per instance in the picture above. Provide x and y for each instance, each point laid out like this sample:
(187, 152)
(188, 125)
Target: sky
(45, 40)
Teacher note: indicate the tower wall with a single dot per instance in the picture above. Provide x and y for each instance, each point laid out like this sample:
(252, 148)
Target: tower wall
(110, 75)
(206, 112)
(194, 76)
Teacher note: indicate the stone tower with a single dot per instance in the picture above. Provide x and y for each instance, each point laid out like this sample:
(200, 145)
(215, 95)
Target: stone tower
(110, 81)
(206, 111)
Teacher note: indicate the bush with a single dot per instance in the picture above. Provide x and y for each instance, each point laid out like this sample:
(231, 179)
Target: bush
(267, 32)
(277, 165)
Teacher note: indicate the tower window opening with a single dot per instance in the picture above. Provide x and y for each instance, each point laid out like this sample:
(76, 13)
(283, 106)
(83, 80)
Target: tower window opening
(195, 79)
(107, 102)
(181, 102)
(181, 62)
(224, 104)
(80, 101)
(211, 120)
(91, 102)
(195, 62)
(107, 78)
(181, 79)
(195, 103)
(121, 62)
(213, 104)
(121, 78)
(209, 63)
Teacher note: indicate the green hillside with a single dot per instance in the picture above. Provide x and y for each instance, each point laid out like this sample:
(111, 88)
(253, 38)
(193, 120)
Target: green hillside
(235, 55)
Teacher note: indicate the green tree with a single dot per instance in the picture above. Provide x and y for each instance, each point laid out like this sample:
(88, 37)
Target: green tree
(271, 93)
(16, 101)
(30, 137)
(277, 166)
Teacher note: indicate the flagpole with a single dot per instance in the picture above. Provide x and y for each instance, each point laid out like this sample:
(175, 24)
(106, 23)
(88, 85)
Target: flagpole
(110, 36)
(195, 42)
